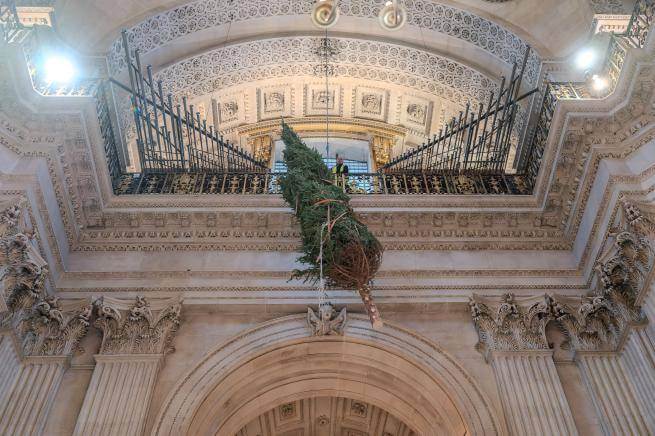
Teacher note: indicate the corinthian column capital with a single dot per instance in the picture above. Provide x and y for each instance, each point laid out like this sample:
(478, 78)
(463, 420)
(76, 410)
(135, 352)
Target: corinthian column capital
(137, 326)
(509, 323)
(638, 219)
(50, 329)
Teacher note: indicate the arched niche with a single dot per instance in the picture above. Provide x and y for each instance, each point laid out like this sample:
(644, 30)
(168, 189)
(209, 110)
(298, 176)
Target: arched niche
(277, 362)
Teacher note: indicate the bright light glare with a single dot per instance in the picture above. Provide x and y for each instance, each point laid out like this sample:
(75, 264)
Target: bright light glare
(599, 83)
(59, 69)
(585, 59)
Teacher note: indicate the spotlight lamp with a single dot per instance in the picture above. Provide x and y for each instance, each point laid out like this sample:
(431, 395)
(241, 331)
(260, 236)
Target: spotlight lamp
(325, 13)
(599, 83)
(393, 15)
(586, 59)
(58, 69)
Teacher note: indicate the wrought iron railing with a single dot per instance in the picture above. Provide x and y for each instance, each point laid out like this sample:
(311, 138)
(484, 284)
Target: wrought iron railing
(10, 26)
(478, 141)
(108, 134)
(635, 36)
(174, 138)
(409, 183)
(537, 141)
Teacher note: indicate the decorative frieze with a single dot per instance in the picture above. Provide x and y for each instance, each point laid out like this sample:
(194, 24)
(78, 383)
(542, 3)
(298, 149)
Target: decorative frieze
(137, 327)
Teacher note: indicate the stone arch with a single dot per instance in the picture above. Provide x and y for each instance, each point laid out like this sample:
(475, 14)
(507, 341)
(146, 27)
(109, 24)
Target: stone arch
(277, 361)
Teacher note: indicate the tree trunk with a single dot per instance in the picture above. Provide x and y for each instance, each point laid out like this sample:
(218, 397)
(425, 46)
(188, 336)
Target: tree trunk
(371, 309)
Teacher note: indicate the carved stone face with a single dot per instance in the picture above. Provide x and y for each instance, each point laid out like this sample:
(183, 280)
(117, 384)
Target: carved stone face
(326, 312)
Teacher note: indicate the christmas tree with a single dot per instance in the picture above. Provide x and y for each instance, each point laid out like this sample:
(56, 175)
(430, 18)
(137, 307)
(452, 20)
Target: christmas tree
(350, 254)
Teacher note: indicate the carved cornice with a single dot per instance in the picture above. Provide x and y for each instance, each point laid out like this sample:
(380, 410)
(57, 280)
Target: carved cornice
(138, 327)
(510, 324)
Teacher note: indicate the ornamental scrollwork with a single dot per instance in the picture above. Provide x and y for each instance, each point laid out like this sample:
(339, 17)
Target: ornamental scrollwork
(509, 324)
(138, 327)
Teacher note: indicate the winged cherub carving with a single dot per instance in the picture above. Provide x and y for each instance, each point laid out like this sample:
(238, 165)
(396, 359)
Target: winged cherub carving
(327, 322)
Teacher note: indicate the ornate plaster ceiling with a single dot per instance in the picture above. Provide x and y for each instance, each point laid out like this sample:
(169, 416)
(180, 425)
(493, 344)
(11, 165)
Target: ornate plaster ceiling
(326, 416)
(552, 26)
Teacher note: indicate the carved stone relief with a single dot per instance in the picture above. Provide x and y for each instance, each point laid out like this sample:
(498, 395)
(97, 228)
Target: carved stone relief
(416, 113)
(371, 103)
(274, 102)
(319, 101)
(327, 322)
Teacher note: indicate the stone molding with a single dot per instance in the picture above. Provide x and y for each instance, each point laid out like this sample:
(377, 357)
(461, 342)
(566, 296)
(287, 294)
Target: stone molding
(137, 327)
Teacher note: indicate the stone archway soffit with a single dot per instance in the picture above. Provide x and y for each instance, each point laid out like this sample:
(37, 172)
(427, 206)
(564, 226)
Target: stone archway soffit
(411, 353)
(180, 22)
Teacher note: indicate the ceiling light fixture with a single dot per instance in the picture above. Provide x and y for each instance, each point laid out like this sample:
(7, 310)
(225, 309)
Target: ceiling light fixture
(59, 69)
(393, 15)
(599, 83)
(585, 59)
(325, 13)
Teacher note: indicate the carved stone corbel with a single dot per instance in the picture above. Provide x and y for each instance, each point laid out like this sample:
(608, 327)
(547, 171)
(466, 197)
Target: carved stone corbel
(137, 327)
(510, 324)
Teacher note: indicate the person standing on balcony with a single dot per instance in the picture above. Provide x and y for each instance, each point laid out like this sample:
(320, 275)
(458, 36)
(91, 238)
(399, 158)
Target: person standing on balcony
(340, 173)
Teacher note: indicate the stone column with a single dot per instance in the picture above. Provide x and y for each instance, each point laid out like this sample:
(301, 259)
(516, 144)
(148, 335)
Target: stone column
(612, 393)
(512, 338)
(30, 376)
(136, 336)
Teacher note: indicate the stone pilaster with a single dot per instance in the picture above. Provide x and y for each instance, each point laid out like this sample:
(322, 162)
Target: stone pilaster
(531, 392)
(612, 393)
(9, 364)
(28, 402)
(638, 358)
(512, 337)
(135, 337)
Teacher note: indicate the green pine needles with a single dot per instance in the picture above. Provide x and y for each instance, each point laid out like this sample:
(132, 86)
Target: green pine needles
(351, 254)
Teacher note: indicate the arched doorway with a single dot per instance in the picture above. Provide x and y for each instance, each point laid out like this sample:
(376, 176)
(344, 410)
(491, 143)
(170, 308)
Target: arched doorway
(277, 363)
